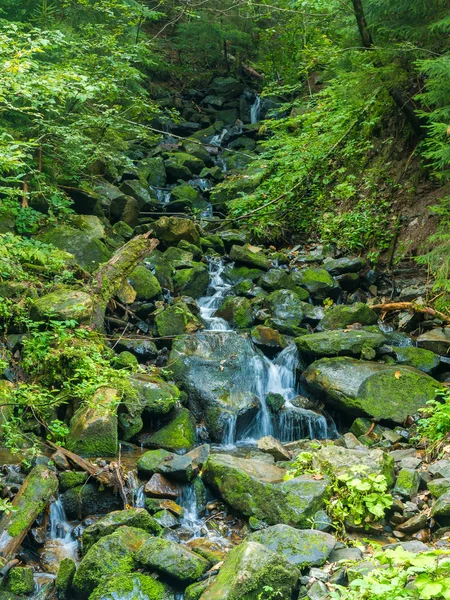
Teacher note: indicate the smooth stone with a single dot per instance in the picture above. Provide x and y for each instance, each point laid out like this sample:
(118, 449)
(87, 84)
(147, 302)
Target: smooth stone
(272, 446)
(160, 487)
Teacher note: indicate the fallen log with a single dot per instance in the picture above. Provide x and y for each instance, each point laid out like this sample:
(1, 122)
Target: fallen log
(411, 306)
(34, 495)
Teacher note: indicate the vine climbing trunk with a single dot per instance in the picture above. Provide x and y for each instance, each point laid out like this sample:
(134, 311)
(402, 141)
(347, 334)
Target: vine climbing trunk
(402, 103)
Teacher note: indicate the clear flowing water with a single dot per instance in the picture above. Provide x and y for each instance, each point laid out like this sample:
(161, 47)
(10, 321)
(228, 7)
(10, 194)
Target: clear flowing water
(60, 542)
(217, 290)
(255, 110)
(218, 138)
(162, 194)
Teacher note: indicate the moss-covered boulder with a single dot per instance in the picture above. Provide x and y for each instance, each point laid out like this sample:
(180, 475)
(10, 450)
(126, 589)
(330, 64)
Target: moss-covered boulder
(288, 311)
(145, 283)
(215, 371)
(233, 237)
(194, 164)
(64, 578)
(248, 571)
(267, 338)
(179, 435)
(138, 191)
(151, 170)
(63, 304)
(94, 428)
(178, 257)
(276, 279)
(301, 547)
(363, 388)
(318, 282)
(176, 319)
(176, 171)
(256, 489)
(89, 499)
(407, 483)
(250, 256)
(114, 554)
(436, 340)
(72, 479)
(171, 559)
(237, 311)
(133, 586)
(172, 230)
(439, 486)
(156, 396)
(339, 266)
(20, 581)
(238, 274)
(340, 343)
(419, 358)
(185, 197)
(148, 463)
(335, 460)
(341, 316)
(88, 250)
(133, 517)
(192, 282)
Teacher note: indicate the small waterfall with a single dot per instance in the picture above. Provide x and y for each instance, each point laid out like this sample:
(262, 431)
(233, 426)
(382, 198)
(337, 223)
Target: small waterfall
(255, 110)
(218, 139)
(201, 184)
(190, 519)
(299, 423)
(162, 195)
(229, 431)
(60, 543)
(217, 290)
(135, 490)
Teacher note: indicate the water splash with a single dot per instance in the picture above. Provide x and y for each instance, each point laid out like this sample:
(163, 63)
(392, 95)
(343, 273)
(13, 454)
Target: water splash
(218, 138)
(135, 490)
(190, 519)
(255, 110)
(217, 290)
(229, 431)
(299, 423)
(60, 543)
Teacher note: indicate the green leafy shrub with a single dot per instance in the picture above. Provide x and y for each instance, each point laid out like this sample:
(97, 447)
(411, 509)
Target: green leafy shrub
(434, 426)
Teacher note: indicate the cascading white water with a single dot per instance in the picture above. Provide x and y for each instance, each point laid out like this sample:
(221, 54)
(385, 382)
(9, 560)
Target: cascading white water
(60, 533)
(136, 490)
(162, 195)
(217, 290)
(188, 501)
(255, 110)
(218, 138)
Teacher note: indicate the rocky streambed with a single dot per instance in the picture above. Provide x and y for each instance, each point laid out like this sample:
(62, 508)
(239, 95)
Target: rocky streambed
(257, 377)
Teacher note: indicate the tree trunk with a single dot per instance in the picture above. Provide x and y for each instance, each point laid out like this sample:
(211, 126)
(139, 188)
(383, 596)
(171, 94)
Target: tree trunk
(402, 103)
(30, 501)
(109, 277)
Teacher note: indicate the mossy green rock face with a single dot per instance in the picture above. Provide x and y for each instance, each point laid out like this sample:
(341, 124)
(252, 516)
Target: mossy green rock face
(255, 488)
(317, 282)
(172, 230)
(302, 548)
(275, 279)
(248, 569)
(179, 435)
(407, 483)
(94, 429)
(152, 171)
(113, 554)
(239, 274)
(185, 196)
(195, 590)
(233, 237)
(88, 250)
(64, 578)
(63, 304)
(125, 360)
(289, 311)
(175, 170)
(340, 316)
(179, 258)
(176, 319)
(87, 499)
(145, 284)
(339, 266)
(363, 388)
(218, 386)
(149, 462)
(194, 164)
(192, 282)
(133, 517)
(335, 343)
(133, 586)
(441, 508)
(335, 460)
(20, 580)
(156, 396)
(237, 311)
(172, 559)
(71, 479)
(268, 338)
(42, 483)
(438, 487)
(419, 358)
(245, 256)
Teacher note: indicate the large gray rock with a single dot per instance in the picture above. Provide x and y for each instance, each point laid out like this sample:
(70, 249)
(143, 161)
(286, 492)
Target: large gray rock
(302, 548)
(289, 311)
(247, 570)
(255, 488)
(436, 340)
(363, 388)
(339, 266)
(216, 372)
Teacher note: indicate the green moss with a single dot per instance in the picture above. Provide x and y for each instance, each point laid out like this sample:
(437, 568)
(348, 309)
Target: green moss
(238, 274)
(178, 435)
(172, 230)
(422, 359)
(267, 336)
(145, 283)
(195, 590)
(438, 487)
(340, 316)
(64, 578)
(192, 282)
(148, 462)
(134, 586)
(407, 483)
(155, 395)
(335, 343)
(237, 311)
(172, 559)
(20, 580)
(245, 256)
(194, 250)
(123, 229)
(125, 360)
(72, 479)
(176, 319)
(63, 304)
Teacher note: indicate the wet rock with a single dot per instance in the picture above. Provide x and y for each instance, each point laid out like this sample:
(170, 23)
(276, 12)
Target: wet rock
(156, 396)
(268, 339)
(139, 191)
(152, 171)
(436, 340)
(322, 522)
(58, 457)
(302, 548)
(133, 517)
(114, 554)
(166, 519)
(338, 266)
(341, 316)
(272, 446)
(422, 359)
(338, 343)
(289, 311)
(335, 460)
(64, 578)
(71, 479)
(407, 483)
(376, 390)
(88, 250)
(233, 237)
(413, 524)
(172, 559)
(161, 487)
(172, 230)
(145, 284)
(257, 489)
(247, 569)
(63, 304)
(237, 311)
(438, 487)
(318, 282)
(179, 435)
(250, 257)
(179, 467)
(87, 499)
(345, 554)
(148, 463)
(94, 428)
(131, 585)
(176, 319)
(192, 282)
